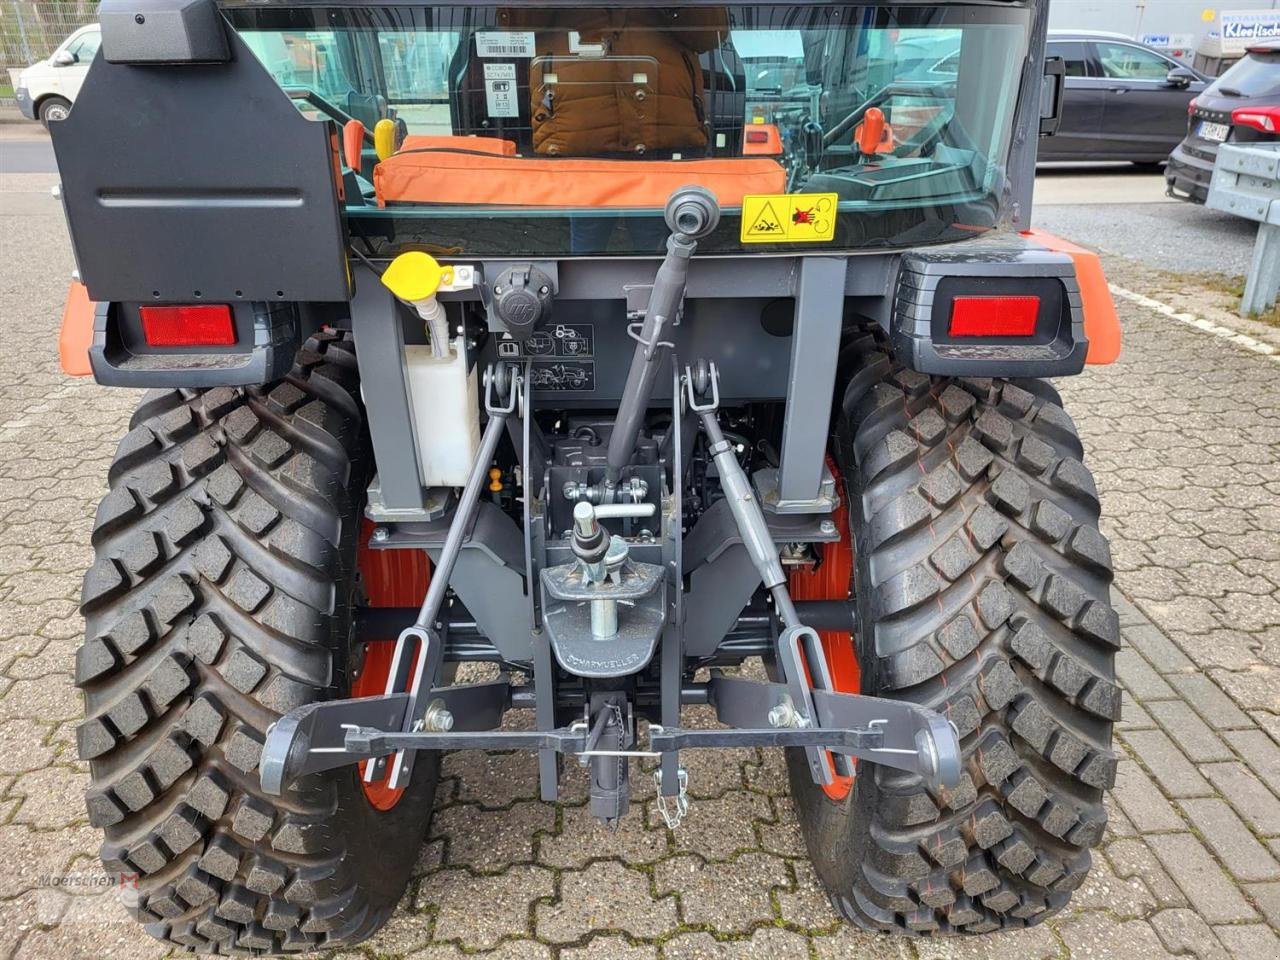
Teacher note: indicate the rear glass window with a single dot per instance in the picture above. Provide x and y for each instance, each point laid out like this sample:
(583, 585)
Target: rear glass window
(568, 126)
(1257, 75)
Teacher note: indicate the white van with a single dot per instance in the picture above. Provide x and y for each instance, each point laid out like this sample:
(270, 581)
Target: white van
(46, 90)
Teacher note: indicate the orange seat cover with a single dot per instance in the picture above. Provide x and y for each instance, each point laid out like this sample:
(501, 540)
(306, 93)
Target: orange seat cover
(503, 148)
(77, 332)
(1101, 322)
(446, 177)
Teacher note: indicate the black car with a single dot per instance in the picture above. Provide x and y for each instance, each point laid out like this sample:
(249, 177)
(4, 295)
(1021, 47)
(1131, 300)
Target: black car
(1253, 82)
(1124, 100)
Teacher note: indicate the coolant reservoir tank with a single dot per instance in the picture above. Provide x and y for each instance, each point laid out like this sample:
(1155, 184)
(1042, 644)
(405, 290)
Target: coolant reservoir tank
(443, 394)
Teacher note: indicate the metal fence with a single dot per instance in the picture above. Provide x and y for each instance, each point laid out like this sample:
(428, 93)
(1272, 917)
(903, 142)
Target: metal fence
(30, 30)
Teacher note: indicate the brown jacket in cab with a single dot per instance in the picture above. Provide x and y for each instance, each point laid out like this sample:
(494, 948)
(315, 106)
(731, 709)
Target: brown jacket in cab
(618, 81)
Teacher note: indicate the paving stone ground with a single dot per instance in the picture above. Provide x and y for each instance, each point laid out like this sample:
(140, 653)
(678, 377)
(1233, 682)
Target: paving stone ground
(1184, 434)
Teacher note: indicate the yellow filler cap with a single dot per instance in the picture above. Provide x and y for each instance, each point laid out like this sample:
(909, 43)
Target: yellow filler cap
(384, 138)
(415, 276)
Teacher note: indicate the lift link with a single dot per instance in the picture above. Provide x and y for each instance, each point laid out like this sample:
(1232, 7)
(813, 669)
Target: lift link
(419, 650)
(799, 649)
(692, 213)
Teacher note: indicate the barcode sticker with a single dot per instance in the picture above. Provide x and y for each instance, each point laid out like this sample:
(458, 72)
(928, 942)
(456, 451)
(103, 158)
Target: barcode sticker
(509, 43)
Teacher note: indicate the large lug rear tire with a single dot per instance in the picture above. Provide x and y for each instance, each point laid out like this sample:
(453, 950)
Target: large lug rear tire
(982, 591)
(221, 597)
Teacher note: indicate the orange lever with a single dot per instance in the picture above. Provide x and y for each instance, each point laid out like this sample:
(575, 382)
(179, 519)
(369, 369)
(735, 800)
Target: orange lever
(871, 132)
(353, 143)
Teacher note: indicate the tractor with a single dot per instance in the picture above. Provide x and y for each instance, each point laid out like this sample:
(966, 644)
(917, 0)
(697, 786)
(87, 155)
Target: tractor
(521, 378)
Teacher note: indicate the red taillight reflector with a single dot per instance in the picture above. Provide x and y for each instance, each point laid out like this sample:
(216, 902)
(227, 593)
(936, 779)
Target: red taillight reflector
(1266, 119)
(994, 316)
(757, 136)
(191, 325)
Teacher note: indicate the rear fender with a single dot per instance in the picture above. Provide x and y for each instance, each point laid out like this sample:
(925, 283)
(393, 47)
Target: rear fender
(212, 188)
(1101, 322)
(77, 332)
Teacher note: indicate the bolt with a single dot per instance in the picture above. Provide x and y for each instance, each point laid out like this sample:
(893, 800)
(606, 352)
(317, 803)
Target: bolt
(380, 534)
(437, 718)
(139, 19)
(544, 290)
(828, 528)
(782, 715)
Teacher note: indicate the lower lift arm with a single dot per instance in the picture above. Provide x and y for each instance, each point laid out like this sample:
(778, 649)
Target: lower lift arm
(911, 737)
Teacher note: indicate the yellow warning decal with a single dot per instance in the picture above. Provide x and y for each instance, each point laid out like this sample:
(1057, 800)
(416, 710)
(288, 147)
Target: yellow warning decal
(789, 217)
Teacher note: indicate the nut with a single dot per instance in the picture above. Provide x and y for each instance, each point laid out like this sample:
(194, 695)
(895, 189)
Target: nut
(437, 719)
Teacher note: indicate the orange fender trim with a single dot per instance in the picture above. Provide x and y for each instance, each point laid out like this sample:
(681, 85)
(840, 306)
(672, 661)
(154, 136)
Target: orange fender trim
(1101, 322)
(77, 332)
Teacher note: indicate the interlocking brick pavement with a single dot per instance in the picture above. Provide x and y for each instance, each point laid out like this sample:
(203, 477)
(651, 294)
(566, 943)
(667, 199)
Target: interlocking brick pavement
(1184, 434)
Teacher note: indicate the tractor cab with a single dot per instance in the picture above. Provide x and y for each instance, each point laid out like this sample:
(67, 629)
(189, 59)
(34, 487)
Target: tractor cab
(576, 124)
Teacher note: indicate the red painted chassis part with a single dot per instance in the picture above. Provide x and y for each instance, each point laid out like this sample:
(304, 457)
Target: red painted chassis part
(832, 579)
(392, 578)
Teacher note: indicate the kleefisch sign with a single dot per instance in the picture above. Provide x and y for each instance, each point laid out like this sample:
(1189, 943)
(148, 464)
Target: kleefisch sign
(1241, 29)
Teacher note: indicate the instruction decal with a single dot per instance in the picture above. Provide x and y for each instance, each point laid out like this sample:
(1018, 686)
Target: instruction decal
(789, 218)
(505, 43)
(567, 376)
(562, 355)
(500, 90)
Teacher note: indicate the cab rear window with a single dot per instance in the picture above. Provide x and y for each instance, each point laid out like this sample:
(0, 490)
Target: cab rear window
(567, 126)
(1257, 75)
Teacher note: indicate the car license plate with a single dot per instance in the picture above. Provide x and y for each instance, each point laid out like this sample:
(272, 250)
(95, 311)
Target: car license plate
(1214, 132)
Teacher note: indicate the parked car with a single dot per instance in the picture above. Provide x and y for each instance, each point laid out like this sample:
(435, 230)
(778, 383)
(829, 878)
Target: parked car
(46, 90)
(1123, 101)
(1232, 110)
